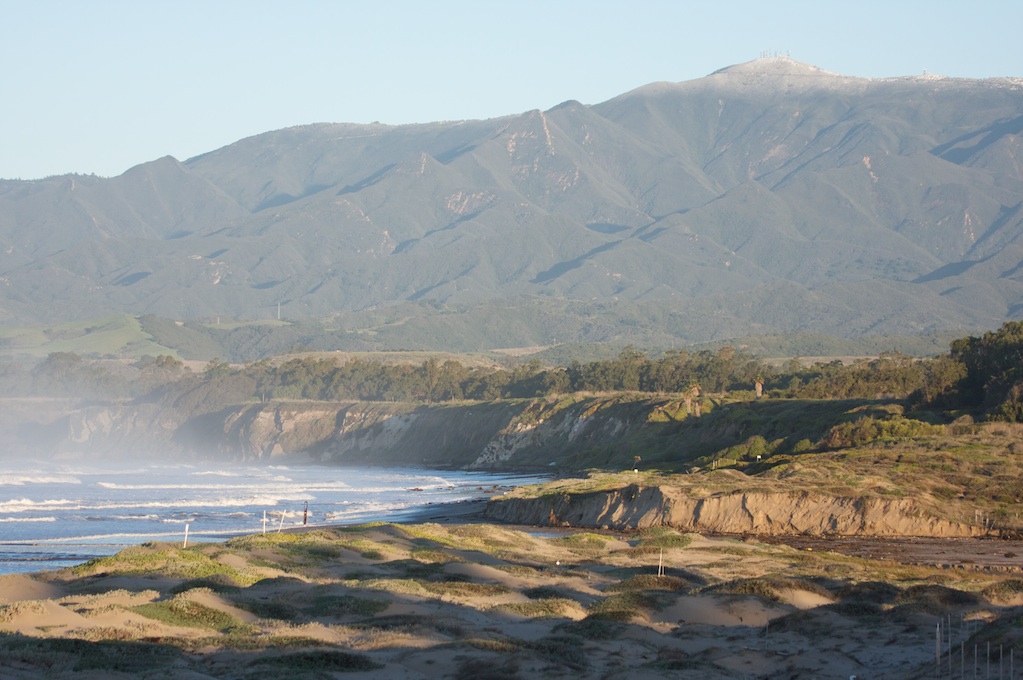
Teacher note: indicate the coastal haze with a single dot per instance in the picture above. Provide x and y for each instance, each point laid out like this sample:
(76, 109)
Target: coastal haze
(767, 197)
(210, 469)
(57, 515)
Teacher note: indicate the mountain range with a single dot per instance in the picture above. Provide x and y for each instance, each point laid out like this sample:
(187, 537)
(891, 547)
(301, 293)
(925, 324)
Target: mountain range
(767, 197)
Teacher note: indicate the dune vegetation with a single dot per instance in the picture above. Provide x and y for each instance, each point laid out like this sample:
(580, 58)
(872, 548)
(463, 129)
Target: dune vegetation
(464, 600)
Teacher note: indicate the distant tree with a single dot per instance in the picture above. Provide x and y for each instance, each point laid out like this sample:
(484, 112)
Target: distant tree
(554, 381)
(215, 368)
(484, 385)
(993, 367)
(942, 378)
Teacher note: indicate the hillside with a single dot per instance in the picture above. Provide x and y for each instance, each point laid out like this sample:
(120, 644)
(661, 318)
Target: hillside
(767, 197)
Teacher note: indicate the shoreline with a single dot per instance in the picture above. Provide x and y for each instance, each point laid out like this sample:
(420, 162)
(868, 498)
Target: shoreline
(61, 518)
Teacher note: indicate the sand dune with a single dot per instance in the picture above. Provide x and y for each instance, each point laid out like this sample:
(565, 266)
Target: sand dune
(481, 601)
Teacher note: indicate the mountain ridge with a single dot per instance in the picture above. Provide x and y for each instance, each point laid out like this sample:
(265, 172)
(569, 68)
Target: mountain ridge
(879, 205)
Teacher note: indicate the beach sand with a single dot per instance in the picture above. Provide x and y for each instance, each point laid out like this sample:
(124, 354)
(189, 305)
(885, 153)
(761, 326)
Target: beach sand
(458, 598)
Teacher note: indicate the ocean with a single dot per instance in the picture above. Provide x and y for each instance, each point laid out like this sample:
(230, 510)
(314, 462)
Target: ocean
(58, 515)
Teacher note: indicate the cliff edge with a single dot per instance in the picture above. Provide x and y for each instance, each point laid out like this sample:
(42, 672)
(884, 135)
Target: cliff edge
(737, 512)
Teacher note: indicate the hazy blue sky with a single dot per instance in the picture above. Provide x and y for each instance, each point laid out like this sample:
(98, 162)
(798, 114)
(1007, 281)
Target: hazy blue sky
(96, 86)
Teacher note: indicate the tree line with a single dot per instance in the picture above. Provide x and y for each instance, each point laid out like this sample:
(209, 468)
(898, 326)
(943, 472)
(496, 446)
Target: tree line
(980, 375)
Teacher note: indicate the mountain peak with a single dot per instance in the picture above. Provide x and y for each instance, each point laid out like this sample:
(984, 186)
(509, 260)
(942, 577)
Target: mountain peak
(778, 74)
(774, 66)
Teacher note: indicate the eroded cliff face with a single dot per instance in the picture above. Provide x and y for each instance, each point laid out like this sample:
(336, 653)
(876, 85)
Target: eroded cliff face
(637, 507)
(483, 435)
(492, 435)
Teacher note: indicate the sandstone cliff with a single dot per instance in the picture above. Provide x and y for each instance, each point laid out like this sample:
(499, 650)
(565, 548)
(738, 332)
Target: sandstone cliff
(477, 435)
(738, 512)
(569, 434)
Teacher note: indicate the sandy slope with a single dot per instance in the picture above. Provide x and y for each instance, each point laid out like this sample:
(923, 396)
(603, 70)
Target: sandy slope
(483, 601)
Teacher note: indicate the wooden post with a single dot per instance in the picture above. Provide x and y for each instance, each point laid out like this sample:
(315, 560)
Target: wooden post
(185, 544)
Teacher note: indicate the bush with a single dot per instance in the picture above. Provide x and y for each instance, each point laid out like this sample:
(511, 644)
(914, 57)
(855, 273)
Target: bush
(868, 429)
(664, 537)
(802, 446)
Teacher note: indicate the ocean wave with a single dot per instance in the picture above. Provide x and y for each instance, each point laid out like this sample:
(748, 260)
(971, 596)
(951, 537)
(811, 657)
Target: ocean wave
(257, 474)
(360, 510)
(288, 487)
(29, 505)
(98, 539)
(240, 501)
(28, 519)
(408, 486)
(222, 473)
(264, 500)
(14, 479)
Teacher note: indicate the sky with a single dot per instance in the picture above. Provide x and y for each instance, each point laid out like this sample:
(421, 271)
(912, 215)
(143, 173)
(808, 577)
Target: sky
(97, 87)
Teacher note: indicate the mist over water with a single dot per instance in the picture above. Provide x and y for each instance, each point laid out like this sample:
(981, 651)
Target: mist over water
(53, 516)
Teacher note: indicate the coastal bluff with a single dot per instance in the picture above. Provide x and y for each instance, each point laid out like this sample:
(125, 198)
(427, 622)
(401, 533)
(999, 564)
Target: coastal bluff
(505, 434)
(737, 512)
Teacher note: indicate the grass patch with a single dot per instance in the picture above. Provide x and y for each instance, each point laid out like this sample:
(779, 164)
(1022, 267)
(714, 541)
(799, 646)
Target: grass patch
(546, 608)
(475, 669)
(543, 592)
(641, 582)
(465, 589)
(345, 605)
(218, 583)
(520, 570)
(757, 587)
(582, 540)
(315, 661)
(593, 628)
(413, 623)
(936, 595)
(564, 650)
(279, 611)
(622, 606)
(664, 537)
(433, 556)
(499, 645)
(414, 569)
(245, 642)
(187, 613)
(1003, 590)
(9, 612)
(60, 656)
(166, 560)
